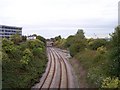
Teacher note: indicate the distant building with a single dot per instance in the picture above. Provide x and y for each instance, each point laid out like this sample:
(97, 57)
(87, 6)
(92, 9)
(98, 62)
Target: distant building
(50, 43)
(31, 37)
(108, 39)
(7, 31)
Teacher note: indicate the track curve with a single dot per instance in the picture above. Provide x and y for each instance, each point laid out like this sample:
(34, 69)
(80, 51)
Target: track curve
(57, 72)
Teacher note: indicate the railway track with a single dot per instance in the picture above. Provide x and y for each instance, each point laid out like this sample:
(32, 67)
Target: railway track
(56, 74)
(50, 73)
(65, 73)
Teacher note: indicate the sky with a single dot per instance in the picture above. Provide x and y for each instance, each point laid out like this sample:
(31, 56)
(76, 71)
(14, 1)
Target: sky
(50, 18)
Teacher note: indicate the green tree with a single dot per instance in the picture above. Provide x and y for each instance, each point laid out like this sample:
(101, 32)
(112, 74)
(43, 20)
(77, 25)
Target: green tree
(41, 38)
(76, 43)
(80, 34)
(27, 57)
(22, 63)
(35, 43)
(69, 41)
(58, 38)
(96, 43)
(115, 53)
(24, 38)
(16, 38)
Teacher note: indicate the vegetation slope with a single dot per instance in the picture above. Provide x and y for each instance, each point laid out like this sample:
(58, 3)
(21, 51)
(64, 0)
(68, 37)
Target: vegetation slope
(23, 61)
(100, 57)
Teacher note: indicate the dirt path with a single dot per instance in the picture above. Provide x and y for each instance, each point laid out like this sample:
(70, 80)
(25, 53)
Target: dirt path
(80, 72)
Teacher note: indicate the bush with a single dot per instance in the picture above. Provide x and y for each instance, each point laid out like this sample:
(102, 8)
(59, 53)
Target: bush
(16, 38)
(41, 39)
(75, 48)
(115, 53)
(60, 43)
(95, 76)
(111, 83)
(21, 68)
(38, 52)
(96, 64)
(27, 57)
(101, 50)
(35, 44)
(114, 62)
(69, 41)
(94, 44)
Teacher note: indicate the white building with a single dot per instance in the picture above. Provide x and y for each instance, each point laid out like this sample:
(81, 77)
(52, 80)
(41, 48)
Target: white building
(7, 31)
(31, 37)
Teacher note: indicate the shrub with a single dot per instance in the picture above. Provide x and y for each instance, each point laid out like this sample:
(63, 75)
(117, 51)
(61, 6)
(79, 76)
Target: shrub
(111, 83)
(38, 52)
(114, 62)
(20, 68)
(41, 39)
(96, 64)
(101, 50)
(69, 41)
(94, 44)
(95, 76)
(76, 47)
(34, 44)
(16, 38)
(27, 56)
(115, 53)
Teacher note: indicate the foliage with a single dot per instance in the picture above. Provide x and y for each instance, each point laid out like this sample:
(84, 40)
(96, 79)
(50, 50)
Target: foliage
(35, 44)
(27, 56)
(60, 43)
(57, 38)
(41, 38)
(76, 43)
(0, 57)
(69, 41)
(115, 53)
(23, 63)
(96, 64)
(16, 38)
(111, 83)
(39, 52)
(95, 43)
(92, 54)
(24, 38)
(80, 34)
(101, 50)
(101, 58)
(76, 47)
(6, 42)
(114, 62)
(9, 47)
(95, 76)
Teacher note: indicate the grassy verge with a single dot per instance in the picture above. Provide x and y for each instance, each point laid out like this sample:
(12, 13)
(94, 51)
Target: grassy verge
(80, 73)
(95, 64)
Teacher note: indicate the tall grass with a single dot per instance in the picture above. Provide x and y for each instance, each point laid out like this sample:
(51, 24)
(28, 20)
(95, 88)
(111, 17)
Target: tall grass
(96, 65)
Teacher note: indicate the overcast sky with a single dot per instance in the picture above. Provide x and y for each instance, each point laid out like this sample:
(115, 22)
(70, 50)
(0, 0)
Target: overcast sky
(50, 18)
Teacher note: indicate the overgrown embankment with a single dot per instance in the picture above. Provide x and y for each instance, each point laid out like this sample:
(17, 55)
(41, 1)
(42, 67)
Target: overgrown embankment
(99, 57)
(23, 62)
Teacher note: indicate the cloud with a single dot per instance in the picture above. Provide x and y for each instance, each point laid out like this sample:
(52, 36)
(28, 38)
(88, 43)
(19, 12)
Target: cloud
(60, 15)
